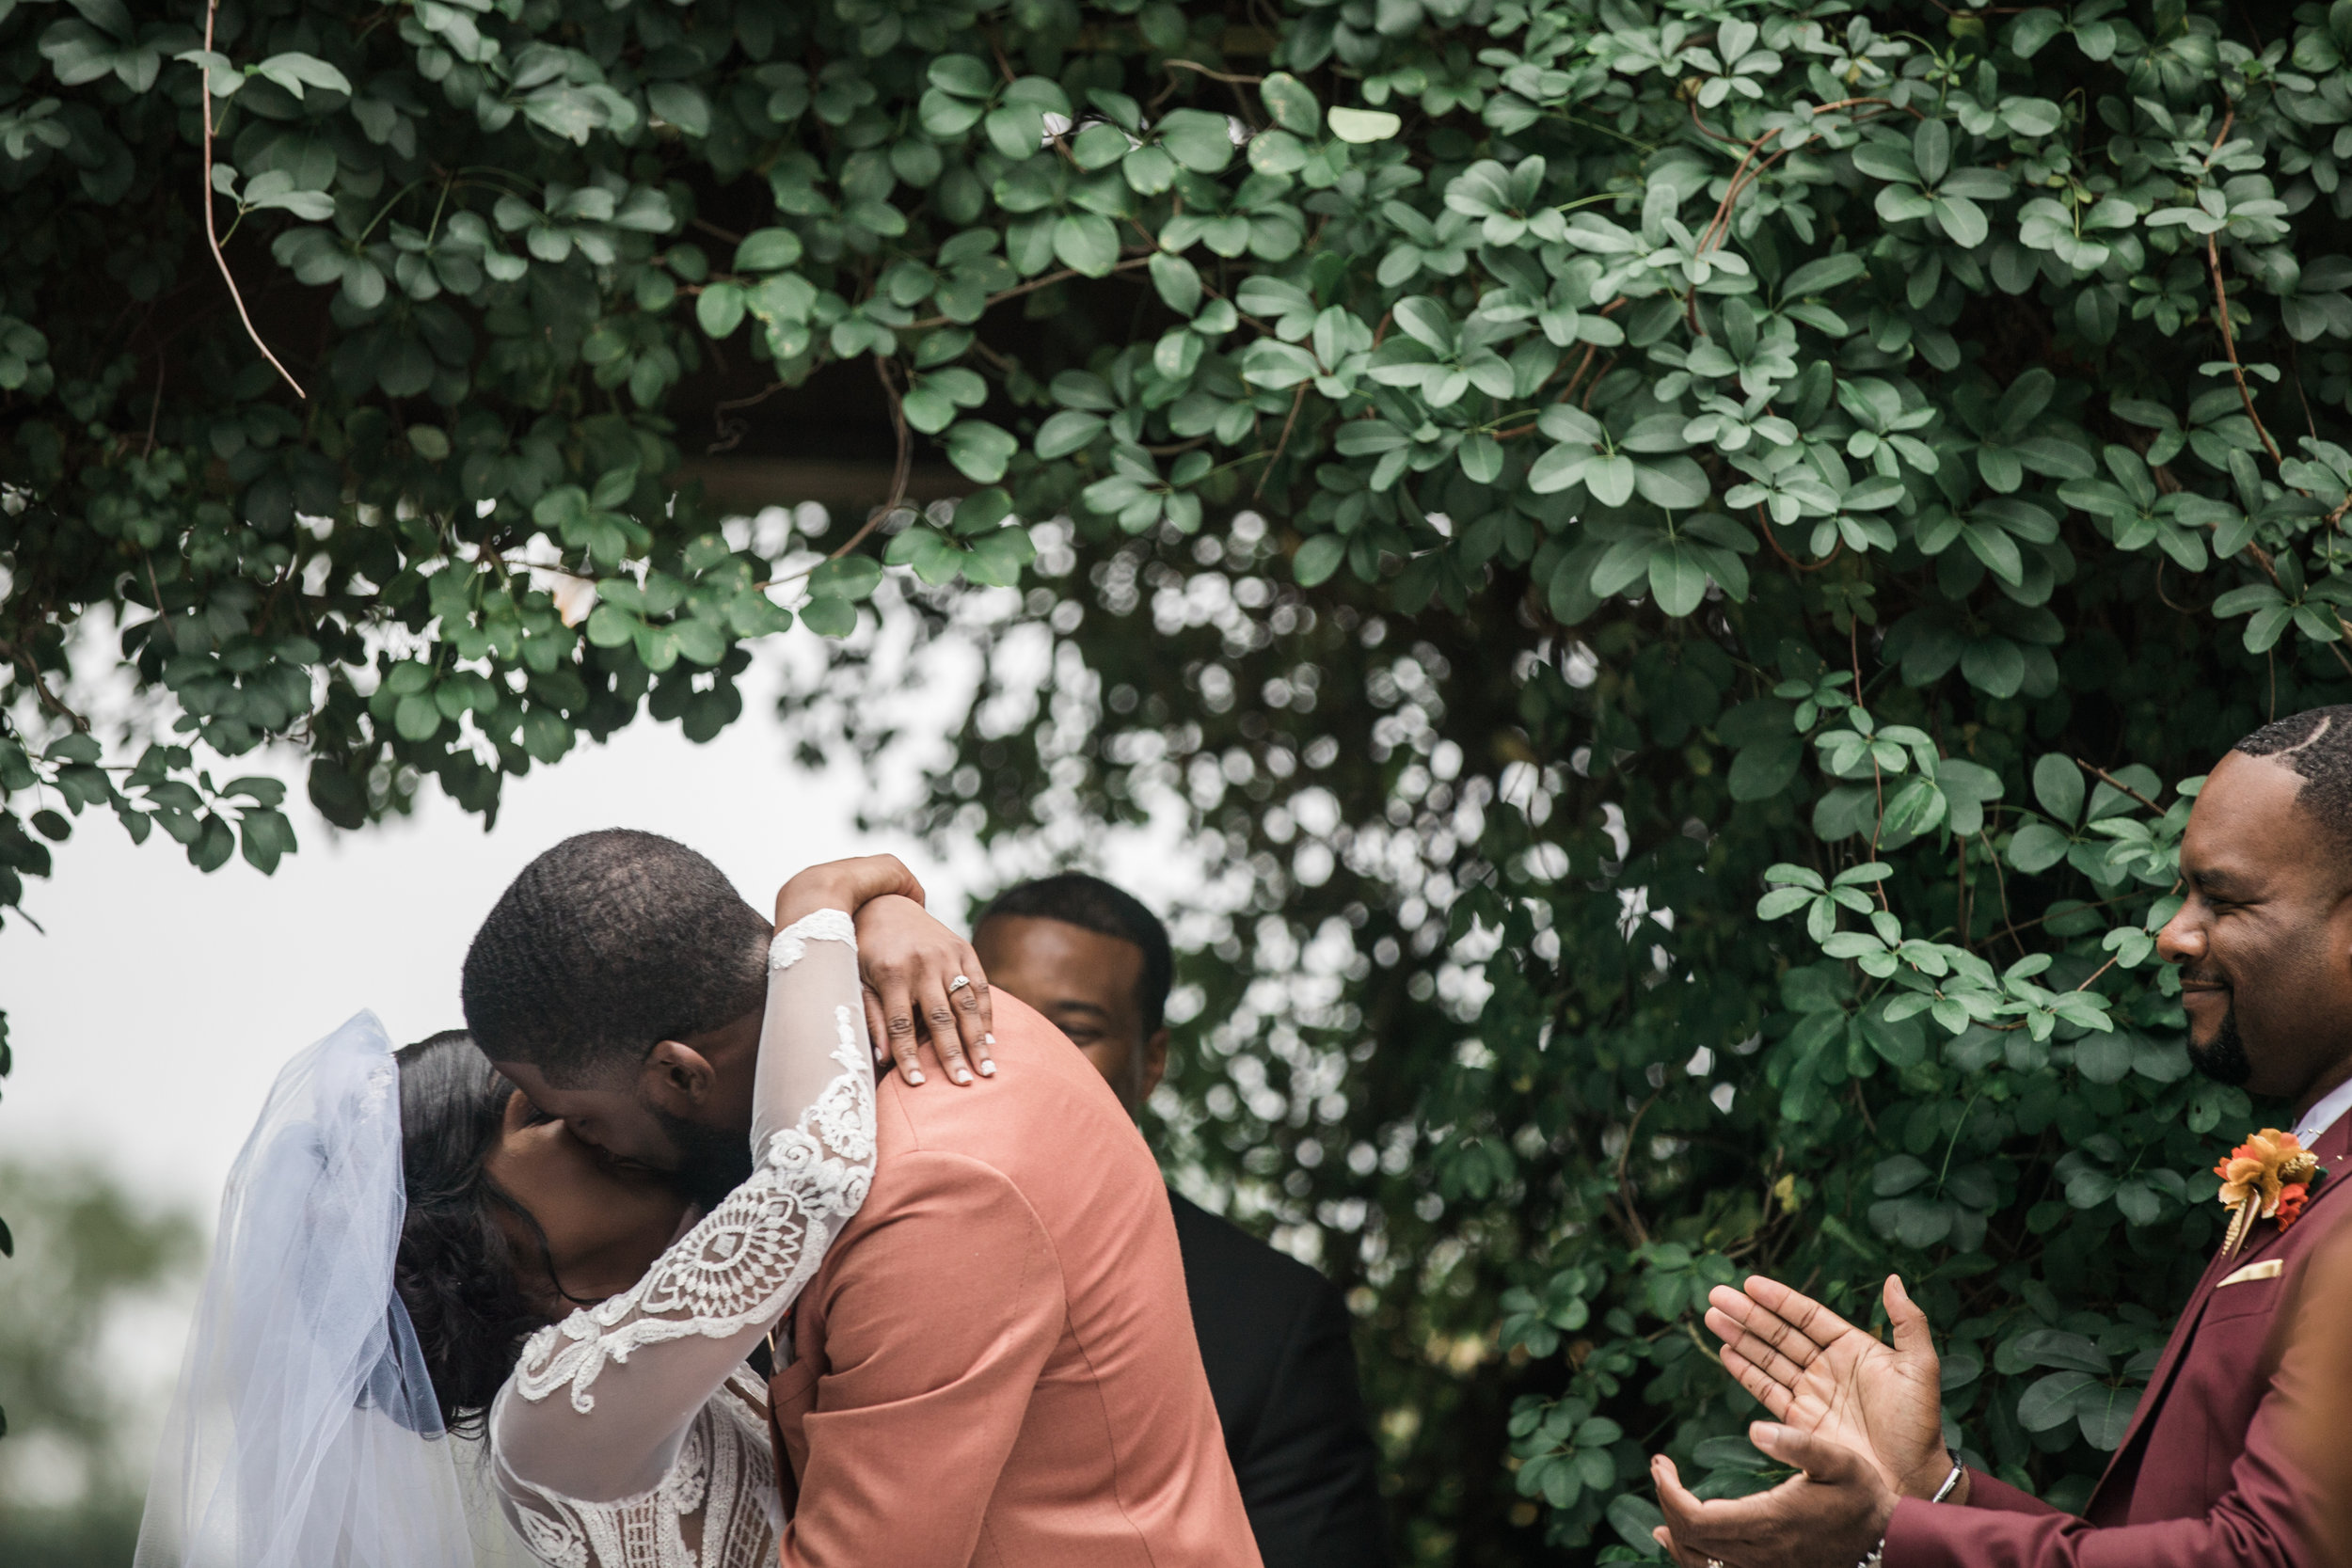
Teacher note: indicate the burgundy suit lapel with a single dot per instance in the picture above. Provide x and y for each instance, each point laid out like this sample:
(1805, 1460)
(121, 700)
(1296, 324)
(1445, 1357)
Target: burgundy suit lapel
(2332, 1147)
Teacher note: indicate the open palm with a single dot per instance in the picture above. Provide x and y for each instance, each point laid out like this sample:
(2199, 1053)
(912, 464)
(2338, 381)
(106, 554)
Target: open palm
(1814, 1371)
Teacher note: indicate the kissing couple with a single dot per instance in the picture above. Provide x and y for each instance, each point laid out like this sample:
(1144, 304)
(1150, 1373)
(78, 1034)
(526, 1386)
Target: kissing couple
(704, 1289)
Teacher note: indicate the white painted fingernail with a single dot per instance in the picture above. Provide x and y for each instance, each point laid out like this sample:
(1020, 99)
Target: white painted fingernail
(988, 1039)
(962, 1077)
(988, 1070)
(914, 1075)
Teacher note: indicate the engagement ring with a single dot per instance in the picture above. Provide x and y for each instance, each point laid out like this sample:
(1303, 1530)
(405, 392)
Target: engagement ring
(958, 984)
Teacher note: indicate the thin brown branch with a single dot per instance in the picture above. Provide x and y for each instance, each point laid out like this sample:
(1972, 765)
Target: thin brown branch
(2221, 301)
(1298, 401)
(1878, 780)
(1032, 286)
(2101, 969)
(1794, 565)
(1212, 75)
(1568, 388)
(154, 408)
(212, 225)
(729, 438)
(898, 475)
(1625, 1189)
(50, 701)
(2229, 346)
(1598, 377)
(2000, 882)
(1960, 893)
(2106, 778)
(1718, 226)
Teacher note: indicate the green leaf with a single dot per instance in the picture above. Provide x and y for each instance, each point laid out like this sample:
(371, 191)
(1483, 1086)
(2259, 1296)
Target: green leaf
(1067, 432)
(1823, 274)
(2036, 846)
(852, 576)
(1200, 141)
(830, 617)
(1178, 282)
(1364, 125)
(112, 16)
(1290, 104)
(1675, 483)
(964, 75)
(417, 717)
(2050, 1403)
(1317, 558)
(2058, 784)
(1016, 130)
(767, 250)
(1763, 769)
(1962, 218)
(718, 309)
(682, 105)
(2061, 1348)
(1677, 580)
(294, 72)
(979, 450)
(1086, 242)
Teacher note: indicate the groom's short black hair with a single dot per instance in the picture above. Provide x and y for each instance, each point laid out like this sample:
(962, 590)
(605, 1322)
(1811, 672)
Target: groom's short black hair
(2317, 744)
(606, 945)
(1094, 904)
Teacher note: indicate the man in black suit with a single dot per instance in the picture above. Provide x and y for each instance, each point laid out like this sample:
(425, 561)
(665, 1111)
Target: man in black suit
(1274, 1333)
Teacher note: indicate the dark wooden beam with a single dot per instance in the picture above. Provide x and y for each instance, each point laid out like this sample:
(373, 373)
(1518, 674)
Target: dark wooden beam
(846, 487)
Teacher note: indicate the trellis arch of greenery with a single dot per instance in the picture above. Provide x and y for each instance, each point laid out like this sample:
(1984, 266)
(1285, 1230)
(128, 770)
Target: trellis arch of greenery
(1874, 407)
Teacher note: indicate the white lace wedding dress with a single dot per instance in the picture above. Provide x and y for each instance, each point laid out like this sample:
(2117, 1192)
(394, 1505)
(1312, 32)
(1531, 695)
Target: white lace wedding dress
(631, 1434)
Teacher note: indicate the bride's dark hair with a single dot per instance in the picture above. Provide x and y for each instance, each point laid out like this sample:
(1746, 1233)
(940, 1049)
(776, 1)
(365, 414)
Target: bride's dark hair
(455, 1270)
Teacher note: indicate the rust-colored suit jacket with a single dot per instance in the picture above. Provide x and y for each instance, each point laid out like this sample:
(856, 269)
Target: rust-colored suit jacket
(996, 1363)
(2204, 1478)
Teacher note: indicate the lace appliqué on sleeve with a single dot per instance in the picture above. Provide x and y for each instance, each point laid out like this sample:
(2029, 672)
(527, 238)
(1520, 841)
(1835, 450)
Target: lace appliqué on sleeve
(791, 943)
(749, 1257)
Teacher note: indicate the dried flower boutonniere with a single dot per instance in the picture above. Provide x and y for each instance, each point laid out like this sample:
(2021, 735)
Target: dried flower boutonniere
(2269, 1176)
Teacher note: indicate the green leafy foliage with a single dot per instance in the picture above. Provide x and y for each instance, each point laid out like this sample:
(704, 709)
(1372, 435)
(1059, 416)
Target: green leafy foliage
(1681, 562)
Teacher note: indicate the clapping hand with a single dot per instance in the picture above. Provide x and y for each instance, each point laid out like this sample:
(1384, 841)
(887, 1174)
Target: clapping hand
(1832, 1515)
(1813, 1371)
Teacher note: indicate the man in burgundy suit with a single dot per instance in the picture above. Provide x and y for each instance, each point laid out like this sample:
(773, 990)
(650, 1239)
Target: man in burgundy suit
(2207, 1474)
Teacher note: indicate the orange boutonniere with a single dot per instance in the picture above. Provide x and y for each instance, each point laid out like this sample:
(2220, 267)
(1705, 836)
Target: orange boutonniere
(2267, 1177)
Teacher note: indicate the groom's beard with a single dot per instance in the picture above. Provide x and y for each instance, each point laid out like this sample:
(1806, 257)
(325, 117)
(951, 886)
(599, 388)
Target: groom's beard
(710, 1163)
(2225, 1060)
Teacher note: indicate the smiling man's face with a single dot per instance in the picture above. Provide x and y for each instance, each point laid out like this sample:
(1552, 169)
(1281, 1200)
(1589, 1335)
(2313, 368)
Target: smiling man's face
(2264, 940)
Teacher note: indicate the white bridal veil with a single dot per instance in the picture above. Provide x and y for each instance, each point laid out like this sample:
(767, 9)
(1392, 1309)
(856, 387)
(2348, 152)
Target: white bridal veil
(304, 1433)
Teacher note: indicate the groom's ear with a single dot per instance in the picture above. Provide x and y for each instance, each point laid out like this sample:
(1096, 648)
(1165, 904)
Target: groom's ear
(677, 1078)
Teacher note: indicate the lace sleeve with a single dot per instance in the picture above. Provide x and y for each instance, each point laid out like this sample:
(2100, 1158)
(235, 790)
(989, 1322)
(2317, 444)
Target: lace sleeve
(600, 1408)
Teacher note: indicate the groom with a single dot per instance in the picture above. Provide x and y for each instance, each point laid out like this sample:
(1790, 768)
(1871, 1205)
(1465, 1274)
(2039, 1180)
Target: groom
(995, 1362)
(2208, 1473)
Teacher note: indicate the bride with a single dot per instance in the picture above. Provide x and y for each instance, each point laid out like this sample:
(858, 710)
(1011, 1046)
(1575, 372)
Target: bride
(407, 1253)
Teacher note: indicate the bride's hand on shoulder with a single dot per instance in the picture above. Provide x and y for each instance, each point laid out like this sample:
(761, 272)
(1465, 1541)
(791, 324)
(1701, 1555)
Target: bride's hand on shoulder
(848, 885)
(919, 972)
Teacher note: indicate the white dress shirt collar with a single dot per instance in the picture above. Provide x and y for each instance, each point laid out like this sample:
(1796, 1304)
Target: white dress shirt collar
(2324, 1114)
